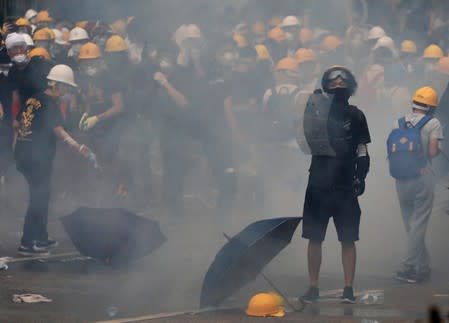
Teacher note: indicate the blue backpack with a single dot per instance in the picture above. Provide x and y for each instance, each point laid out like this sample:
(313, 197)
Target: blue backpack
(405, 151)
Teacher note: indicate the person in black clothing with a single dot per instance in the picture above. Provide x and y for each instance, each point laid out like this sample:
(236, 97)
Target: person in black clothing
(336, 180)
(40, 124)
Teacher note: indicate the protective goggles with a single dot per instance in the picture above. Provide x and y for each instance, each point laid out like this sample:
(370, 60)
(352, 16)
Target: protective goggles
(335, 74)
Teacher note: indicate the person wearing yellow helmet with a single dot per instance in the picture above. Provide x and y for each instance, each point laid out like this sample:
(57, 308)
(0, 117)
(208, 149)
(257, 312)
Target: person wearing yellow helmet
(116, 53)
(23, 26)
(415, 140)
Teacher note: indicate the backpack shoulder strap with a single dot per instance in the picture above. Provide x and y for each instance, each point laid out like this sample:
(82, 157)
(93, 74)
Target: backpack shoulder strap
(423, 121)
(402, 123)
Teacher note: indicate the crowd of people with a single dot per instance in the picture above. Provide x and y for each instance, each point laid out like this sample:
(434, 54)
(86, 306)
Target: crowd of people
(239, 100)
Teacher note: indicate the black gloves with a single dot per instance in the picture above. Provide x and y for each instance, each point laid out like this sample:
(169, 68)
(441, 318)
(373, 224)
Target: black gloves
(361, 170)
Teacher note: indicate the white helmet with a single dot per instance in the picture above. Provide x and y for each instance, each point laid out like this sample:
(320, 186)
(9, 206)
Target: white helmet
(14, 39)
(28, 40)
(59, 37)
(193, 31)
(376, 32)
(30, 13)
(385, 41)
(78, 33)
(180, 34)
(290, 21)
(63, 74)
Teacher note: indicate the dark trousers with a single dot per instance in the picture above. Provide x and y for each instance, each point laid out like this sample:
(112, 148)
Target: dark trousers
(38, 176)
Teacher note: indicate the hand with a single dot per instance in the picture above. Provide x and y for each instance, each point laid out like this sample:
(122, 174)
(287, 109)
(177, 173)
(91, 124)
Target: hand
(89, 123)
(358, 186)
(85, 151)
(160, 77)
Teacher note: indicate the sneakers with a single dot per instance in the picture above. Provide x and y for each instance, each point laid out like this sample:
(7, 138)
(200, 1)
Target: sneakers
(47, 244)
(311, 296)
(32, 250)
(409, 275)
(348, 296)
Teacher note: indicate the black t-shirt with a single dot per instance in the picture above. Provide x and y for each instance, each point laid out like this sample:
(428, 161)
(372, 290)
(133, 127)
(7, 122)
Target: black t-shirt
(347, 128)
(37, 121)
(30, 80)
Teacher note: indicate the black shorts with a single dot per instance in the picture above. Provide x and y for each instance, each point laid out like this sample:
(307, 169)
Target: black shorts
(321, 204)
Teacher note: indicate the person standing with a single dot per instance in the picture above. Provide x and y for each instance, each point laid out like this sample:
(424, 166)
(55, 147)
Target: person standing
(336, 175)
(414, 141)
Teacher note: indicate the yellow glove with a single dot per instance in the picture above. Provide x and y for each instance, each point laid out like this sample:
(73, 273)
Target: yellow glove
(90, 122)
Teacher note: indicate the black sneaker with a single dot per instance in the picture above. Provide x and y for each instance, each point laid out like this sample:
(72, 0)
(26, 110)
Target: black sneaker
(348, 296)
(47, 244)
(311, 296)
(407, 275)
(32, 251)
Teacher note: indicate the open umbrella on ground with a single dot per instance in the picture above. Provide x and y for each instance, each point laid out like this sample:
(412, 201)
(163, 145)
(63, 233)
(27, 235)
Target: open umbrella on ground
(112, 235)
(244, 256)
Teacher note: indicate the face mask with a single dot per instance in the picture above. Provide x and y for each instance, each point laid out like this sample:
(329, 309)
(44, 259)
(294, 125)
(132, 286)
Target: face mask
(340, 94)
(91, 70)
(289, 37)
(20, 59)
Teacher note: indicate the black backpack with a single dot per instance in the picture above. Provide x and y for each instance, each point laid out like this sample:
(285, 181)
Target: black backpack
(280, 115)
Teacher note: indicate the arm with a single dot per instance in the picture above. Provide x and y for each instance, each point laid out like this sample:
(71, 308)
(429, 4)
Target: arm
(434, 147)
(174, 94)
(116, 108)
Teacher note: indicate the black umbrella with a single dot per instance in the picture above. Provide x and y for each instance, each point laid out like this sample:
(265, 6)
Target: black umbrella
(112, 235)
(244, 256)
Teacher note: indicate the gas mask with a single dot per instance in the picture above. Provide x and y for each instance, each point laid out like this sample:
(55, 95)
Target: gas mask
(20, 59)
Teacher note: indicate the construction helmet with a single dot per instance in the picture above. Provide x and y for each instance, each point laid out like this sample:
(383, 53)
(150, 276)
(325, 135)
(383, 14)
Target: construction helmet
(278, 298)
(305, 35)
(287, 64)
(78, 33)
(59, 37)
(342, 72)
(50, 33)
(433, 51)
(263, 305)
(23, 22)
(119, 26)
(263, 54)
(305, 55)
(240, 40)
(30, 13)
(41, 34)
(443, 65)
(330, 43)
(43, 16)
(115, 43)
(408, 46)
(63, 74)
(193, 31)
(89, 51)
(82, 24)
(276, 34)
(290, 21)
(376, 32)
(425, 98)
(39, 51)
(66, 34)
(276, 21)
(386, 42)
(28, 40)
(258, 29)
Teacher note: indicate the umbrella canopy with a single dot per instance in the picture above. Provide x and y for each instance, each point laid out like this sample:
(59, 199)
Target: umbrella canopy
(112, 235)
(244, 256)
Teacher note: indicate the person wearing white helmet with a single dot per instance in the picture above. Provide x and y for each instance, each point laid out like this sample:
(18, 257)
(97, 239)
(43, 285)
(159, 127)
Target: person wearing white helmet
(29, 41)
(31, 14)
(291, 26)
(39, 127)
(374, 34)
(59, 48)
(77, 38)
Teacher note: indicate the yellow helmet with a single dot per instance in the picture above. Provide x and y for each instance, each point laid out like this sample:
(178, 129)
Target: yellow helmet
(305, 35)
(424, 98)
(115, 43)
(443, 65)
(43, 16)
(258, 29)
(41, 34)
(433, 51)
(263, 305)
(408, 46)
(287, 64)
(50, 32)
(23, 22)
(39, 51)
(240, 40)
(263, 54)
(330, 43)
(119, 26)
(276, 34)
(89, 51)
(305, 55)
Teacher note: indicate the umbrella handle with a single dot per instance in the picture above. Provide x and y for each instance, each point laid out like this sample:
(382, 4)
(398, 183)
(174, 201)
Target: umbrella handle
(277, 290)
